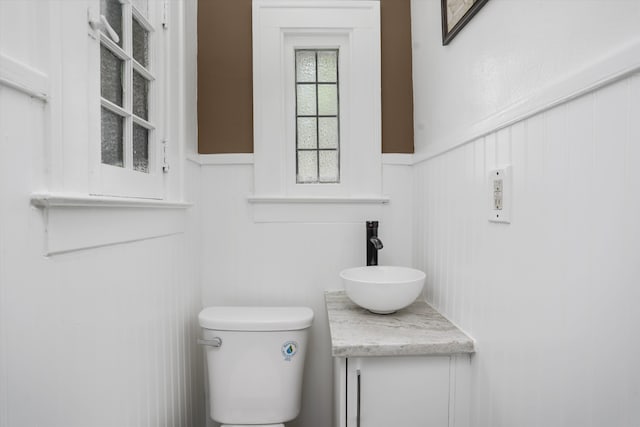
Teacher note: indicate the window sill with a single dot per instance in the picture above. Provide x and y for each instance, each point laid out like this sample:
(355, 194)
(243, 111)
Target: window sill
(319, 200)
(78, 222)
(316, 209)
(50, 200)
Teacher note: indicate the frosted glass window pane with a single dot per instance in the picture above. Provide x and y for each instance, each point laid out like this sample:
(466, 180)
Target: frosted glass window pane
(327, 100)
(328, 127)
(305, 66)
(306, 100)
(307, 132)
(328, 66)
(112, 138)
(307, 166)
(112, 10)
(140, 96)
(140, 38)
(317, 121)
(329, 166)
(140, 149)
(110, 76)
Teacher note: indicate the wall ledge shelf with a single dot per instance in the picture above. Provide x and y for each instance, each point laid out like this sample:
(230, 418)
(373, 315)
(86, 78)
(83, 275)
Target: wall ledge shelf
(76, 222)
(69, 200)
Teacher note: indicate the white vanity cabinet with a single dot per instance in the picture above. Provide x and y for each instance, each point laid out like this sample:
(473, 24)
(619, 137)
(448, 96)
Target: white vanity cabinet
(407, 369)
(407, 391)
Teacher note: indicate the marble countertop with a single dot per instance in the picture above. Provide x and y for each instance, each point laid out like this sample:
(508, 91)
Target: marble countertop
(415, 330)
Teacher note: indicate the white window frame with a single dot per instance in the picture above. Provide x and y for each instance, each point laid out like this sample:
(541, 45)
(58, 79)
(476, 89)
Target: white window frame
(280, 27)
(108, 180)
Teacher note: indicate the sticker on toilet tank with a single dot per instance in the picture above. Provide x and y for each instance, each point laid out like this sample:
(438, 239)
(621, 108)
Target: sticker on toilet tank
(289, 349)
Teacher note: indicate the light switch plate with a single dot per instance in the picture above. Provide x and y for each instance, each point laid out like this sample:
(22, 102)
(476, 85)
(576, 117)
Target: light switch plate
(499, 192)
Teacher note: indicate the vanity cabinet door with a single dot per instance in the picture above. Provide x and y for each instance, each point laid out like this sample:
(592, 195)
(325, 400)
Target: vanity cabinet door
(398, 391)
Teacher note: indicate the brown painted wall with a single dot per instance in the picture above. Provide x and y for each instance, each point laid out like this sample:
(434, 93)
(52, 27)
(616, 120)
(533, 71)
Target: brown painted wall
(397, 82)
(225, 98)
(225, 88)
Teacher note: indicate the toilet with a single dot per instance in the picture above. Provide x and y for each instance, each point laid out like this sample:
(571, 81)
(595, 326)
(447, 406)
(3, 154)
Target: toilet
(255, 359)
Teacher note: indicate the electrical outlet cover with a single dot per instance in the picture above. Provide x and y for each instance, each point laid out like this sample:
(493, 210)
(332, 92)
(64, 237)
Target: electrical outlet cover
(499, 194)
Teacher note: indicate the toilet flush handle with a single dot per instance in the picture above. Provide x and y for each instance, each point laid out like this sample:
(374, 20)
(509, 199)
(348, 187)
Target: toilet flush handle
(213, 342)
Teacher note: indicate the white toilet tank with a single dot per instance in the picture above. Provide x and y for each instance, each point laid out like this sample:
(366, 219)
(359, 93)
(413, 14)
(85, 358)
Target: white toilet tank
(255, 375)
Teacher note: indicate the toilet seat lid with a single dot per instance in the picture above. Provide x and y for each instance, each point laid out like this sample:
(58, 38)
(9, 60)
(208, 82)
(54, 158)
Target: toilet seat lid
(256, 318)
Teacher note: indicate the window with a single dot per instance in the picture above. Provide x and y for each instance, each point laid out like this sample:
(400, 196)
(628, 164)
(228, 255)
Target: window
(129, 136)
(316, 103)
(106, 119)
(317, 117)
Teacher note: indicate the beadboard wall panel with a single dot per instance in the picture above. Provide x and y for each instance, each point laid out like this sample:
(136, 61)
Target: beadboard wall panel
(550, 298)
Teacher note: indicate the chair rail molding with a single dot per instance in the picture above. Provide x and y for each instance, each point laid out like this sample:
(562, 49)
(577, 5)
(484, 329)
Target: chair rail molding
(592, 76)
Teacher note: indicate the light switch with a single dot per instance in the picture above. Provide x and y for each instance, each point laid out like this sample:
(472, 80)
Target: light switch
(500, 195)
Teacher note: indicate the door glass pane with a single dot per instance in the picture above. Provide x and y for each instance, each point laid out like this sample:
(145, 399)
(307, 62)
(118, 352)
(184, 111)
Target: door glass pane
(140, 149)
(112, 10)
(110, 76)
(307, 132)
(306, 100)
(140, 96)
(305, 66)
(112, 138)
(307, 166)
(327, 100)
(328, 129)
(140, 40)
(328, 66)
(329, 166)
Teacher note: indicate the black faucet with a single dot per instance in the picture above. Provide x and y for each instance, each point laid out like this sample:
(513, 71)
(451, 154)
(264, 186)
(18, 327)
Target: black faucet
(374, 244)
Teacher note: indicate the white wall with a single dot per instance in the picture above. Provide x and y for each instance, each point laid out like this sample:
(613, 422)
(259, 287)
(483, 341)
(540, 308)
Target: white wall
(247, 263)
(91, 337)
(507, 52)
(551, 297)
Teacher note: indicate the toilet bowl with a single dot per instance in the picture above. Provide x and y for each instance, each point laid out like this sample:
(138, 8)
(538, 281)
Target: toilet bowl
(255, 359)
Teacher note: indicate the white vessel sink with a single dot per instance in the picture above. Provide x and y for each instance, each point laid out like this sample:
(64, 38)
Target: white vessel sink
(382, 289)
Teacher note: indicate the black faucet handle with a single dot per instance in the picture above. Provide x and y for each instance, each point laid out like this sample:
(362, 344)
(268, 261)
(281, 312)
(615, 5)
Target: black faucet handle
(372, 224)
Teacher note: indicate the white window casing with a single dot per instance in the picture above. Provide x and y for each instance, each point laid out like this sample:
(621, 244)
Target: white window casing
(352, 27)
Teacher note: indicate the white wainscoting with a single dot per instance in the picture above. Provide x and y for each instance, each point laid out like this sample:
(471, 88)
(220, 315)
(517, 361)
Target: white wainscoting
(551, 299)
